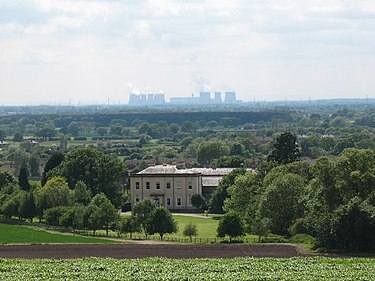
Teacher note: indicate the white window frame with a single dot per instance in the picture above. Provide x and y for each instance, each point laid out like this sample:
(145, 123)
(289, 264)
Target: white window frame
(168, 185)
(178, 185)
(157, 186)
(178, 205)
(190, 186)
(137, 185)
(170, 201)
(189, 201)
(148, 185)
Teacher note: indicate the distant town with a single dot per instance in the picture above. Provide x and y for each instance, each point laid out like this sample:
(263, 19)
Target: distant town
(203, 98)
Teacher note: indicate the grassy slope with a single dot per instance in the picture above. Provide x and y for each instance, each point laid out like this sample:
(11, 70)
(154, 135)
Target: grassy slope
(15, 234)
(206, 226)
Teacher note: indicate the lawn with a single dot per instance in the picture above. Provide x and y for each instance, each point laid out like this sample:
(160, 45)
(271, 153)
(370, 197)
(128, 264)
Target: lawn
(189, 269)
(15, 234)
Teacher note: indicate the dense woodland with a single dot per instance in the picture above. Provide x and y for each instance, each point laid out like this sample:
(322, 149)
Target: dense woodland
(314, 167)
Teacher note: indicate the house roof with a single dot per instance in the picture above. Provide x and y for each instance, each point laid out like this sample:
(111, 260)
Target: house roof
(211, 181)
(166, 169)
(172, 169)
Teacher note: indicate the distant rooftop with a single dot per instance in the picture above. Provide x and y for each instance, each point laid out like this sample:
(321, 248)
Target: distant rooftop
(172, 169)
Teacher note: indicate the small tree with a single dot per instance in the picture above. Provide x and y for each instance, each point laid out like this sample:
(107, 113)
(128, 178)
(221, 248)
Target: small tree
(198, 202)
(81, 193)
(106, 214)
(230, 225)
(127, 225)
(142, 213)
(285, 149)
(261, 227)
(162, 222)
(190, 230)
(27, 208)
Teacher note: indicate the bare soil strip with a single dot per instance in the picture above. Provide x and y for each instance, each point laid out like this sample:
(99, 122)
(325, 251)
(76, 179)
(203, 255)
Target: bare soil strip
(131, 251)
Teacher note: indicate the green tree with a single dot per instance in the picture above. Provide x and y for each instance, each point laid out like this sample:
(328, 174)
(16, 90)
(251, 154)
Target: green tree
(100, 172)
(53, 215)
(198, 201)
(128, 225)
(243, 196)
(55, 193)
(101, 131)
(18, 137)
(106, 213)
(208, 151)
(162, 222)
(285, 149)
(261, 227)
(190, 230)
(52, 162)
(82, 194)
(27, 208)
(221, 192)
(6, 178)
(230, 225)
(282, 202)
(142, 213)
(23, 180)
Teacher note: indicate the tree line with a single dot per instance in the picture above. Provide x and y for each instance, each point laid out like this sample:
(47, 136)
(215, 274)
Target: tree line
(332, 200)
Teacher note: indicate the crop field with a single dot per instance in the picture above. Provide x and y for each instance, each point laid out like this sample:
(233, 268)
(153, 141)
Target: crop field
(15, 234)
(189, 269)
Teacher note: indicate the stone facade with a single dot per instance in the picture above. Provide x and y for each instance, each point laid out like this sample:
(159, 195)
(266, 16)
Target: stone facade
(172, 187)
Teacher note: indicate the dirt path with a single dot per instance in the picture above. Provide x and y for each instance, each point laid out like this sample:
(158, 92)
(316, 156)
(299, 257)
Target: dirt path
(131, 251)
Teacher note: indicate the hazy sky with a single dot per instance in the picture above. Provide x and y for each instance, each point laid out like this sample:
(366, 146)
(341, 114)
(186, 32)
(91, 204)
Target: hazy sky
(91, 51)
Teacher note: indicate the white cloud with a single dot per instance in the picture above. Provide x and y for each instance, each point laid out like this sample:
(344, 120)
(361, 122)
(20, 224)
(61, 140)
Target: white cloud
(159, 43)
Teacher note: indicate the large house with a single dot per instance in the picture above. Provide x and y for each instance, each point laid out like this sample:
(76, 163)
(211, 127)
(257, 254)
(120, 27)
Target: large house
(173, 187)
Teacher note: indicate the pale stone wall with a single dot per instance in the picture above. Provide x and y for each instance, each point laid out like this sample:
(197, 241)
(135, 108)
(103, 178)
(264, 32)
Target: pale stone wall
(171, 191)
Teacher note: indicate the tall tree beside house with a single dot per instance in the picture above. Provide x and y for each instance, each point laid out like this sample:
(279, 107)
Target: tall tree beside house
(54, 161)
(162, 222)
(100, 172)
(23, 179)
(285, 149)
(221, 193)
(142, 213)
(198, 202)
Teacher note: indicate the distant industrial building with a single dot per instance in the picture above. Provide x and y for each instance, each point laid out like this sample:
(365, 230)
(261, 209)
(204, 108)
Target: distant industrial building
(204, 98)
(149, 99)
(230, 97)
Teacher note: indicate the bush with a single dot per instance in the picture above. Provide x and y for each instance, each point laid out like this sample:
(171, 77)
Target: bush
(53, 215)
(303, 239)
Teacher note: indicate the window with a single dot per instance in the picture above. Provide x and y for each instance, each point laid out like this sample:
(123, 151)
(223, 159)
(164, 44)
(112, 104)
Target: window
(168, 201)
(158, 185)
(190, 186)
(157, 201)
(136, 200)
(189, 201)
(178, 185)
(137, 185)
(178, 201)
(147, 185)
(168, 185)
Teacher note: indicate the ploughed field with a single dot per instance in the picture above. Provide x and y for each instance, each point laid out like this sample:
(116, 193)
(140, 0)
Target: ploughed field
(133, 251)
(189, 269)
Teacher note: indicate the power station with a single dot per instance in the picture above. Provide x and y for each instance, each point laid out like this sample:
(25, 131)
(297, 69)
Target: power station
(204, 98)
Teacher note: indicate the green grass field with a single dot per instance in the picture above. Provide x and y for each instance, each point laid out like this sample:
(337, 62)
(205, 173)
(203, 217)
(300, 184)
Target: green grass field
(189, 269)
(15, 234)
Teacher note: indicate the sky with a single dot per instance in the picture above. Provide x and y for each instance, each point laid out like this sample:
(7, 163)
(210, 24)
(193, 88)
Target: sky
(95, 52)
